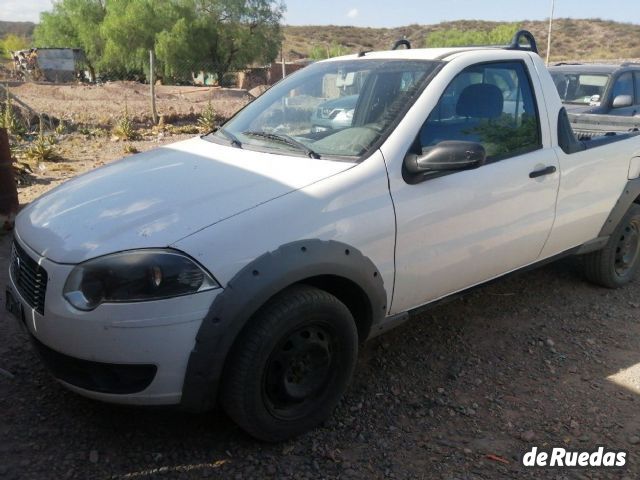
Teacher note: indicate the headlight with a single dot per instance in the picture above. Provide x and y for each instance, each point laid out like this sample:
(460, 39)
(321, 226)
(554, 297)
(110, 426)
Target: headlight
(135, 276)
(344, 115)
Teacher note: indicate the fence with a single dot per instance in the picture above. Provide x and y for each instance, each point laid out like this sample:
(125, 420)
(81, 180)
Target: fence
(148, 96)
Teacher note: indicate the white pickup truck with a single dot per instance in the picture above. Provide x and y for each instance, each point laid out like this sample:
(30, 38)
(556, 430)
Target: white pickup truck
(246, 266)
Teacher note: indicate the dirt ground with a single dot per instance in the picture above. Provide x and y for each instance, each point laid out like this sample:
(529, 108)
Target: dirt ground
(541, 358)
(103, 104)
(79, 152)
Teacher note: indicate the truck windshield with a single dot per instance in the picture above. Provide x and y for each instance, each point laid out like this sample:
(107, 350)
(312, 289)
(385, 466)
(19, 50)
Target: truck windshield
(340, 108)
(580, 88)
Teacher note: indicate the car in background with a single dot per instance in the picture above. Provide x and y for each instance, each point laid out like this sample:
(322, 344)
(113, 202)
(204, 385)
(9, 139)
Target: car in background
(334, 114)
(600, 89)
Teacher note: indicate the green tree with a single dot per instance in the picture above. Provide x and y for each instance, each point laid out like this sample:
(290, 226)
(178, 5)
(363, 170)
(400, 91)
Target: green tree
(221, 36)
(130, 29)
(73, 24)
(11, 43)
(187, 35)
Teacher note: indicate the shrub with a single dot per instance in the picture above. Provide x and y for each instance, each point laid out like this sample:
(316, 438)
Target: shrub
(125, 129)
(207, 119)
(61, 128)
(500, 35)
(42, 150)
(320, 52)
(9, 118)
(185, 130)
(128, 148)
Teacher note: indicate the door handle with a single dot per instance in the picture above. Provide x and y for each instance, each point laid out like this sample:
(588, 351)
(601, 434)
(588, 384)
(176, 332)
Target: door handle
(545, 171)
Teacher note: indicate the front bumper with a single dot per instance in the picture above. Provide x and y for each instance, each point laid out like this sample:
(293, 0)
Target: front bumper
(130, 353)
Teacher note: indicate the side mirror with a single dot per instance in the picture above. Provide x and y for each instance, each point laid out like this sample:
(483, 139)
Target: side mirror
(447, 156)
(622, 101)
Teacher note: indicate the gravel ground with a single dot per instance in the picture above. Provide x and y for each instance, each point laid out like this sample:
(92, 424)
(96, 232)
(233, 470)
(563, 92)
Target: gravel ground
(103, 104)
(462, 391)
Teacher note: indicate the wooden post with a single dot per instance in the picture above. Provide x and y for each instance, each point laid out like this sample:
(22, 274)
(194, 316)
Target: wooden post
(284, 68)
(8, 190)
(152, 84)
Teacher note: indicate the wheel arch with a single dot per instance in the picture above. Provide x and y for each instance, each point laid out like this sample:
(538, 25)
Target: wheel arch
(352, 295)
(629, 196)
(335, 267)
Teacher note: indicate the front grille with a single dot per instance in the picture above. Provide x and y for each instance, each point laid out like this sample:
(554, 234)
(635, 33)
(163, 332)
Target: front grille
(29, 277)
(324, 112)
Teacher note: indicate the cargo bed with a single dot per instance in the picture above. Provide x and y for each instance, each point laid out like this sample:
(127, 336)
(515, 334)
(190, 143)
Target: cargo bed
(588, 125)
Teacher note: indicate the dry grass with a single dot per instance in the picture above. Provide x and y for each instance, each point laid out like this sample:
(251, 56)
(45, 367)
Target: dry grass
(572, 39)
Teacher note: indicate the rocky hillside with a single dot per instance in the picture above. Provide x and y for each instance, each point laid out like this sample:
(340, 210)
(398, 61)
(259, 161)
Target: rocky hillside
(572, 39)
(22, 29)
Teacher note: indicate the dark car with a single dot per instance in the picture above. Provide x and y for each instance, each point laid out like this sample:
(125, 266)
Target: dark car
(601, 89)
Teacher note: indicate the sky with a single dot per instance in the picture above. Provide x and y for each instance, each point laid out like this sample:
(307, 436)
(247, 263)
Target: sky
(385, 13)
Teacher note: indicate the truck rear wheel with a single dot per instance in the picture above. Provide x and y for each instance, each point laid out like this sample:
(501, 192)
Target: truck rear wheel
(617, 263)
(290, 367)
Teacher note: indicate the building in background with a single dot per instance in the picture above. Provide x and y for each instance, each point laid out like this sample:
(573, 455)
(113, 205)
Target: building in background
(59, 65)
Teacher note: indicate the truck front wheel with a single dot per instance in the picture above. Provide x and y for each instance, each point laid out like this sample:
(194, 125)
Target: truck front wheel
(291, 365)
(617, 263)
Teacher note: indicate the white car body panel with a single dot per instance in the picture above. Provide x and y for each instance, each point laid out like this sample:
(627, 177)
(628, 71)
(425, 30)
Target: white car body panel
(585, 200)
(462, 229)
(590, 183)
(465, 228)
(352, 207)
(158, 197)
(161, 333)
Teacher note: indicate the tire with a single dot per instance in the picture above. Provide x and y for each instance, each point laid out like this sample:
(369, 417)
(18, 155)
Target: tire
(289, 369)
(617, 263)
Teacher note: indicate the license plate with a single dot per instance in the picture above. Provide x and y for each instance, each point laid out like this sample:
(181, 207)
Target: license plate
(13, 306)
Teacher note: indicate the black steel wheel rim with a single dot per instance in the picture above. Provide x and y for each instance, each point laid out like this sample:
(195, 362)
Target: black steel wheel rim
(627, 249)
(299, 370)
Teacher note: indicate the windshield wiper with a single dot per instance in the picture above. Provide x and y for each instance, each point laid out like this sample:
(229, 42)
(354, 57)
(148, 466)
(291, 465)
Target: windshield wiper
(286, 139)
(234, 140)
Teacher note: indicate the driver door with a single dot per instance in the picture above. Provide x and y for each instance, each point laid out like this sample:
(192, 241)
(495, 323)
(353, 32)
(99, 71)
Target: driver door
(461, 228)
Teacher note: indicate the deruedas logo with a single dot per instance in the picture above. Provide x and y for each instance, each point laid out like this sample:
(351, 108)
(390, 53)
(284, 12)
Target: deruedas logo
(562, 457)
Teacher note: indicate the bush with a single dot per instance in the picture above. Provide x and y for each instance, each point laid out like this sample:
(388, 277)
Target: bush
(500, 35)
(207, 119)
(11, 43)
(61, 128)
(125, 129)
(130, 149)
(9, 118)
(321, 52)
(42, 149)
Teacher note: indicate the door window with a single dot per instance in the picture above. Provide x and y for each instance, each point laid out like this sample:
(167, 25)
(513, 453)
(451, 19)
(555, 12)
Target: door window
(623, 85)
(492, 104)
(637, 76)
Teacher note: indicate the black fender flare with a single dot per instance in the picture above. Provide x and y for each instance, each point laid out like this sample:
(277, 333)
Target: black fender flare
(629, 195)
(252, 287)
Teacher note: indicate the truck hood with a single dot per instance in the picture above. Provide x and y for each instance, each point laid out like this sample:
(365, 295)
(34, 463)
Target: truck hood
(156, 198)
